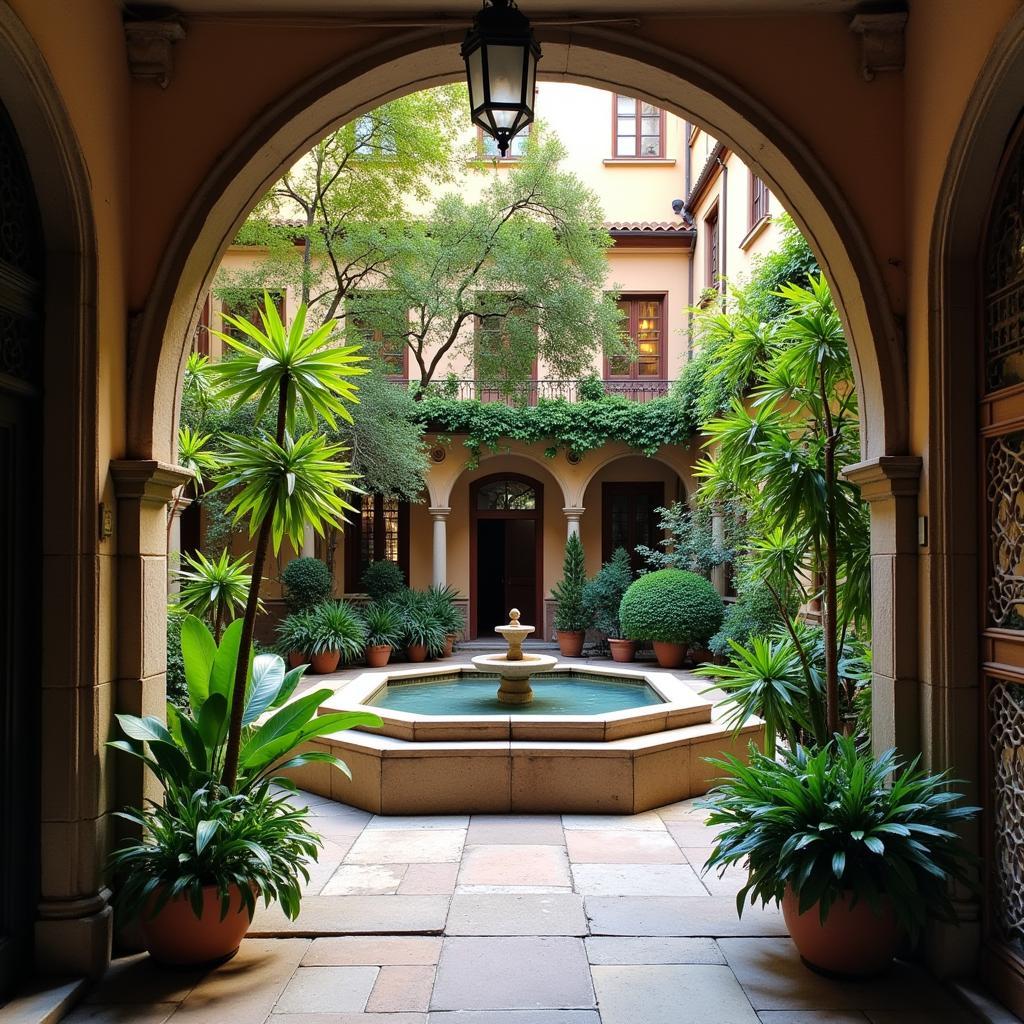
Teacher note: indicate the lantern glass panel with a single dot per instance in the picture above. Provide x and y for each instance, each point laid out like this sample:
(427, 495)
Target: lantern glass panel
(475, 66)
(505, 74)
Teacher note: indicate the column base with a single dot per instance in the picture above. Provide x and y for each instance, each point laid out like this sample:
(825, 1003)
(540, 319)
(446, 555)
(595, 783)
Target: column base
(75, 938)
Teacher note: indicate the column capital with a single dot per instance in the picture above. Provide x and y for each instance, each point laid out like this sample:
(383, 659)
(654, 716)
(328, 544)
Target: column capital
(573, 511)
(151, 482)
(439, 512)
(888, 476)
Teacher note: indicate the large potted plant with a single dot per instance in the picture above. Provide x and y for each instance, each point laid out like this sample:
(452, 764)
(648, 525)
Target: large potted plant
(422, 631)
(338, 633)
(208, 851)
(440, 598)
(602, 597)
(383, 632)
(296, 637)
(857, 851)
(571, 620)
(675, 610)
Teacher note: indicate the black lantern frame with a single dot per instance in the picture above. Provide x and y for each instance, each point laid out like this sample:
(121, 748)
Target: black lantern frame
(501, 57)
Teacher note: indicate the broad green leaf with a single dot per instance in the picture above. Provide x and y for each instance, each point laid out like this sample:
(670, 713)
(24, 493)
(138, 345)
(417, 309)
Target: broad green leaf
(198, 650)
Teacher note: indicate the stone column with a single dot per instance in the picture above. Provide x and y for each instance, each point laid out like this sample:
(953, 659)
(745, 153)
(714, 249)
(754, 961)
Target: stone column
(439, 514)
(890, 484)
(572, 519)
(181, 503)
(308, 549)
(719, 574)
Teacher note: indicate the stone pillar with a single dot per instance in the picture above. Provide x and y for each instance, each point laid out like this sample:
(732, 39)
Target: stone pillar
(719, 574)
(181, 503)
(572, 519)
(308, 542)
(890, 484)
(439, 514)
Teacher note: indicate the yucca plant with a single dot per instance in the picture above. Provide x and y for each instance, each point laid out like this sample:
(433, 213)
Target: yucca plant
(194, 455)
(337, 626)
(440, 599)
(383, 624)
(214, 587)
(840, 823)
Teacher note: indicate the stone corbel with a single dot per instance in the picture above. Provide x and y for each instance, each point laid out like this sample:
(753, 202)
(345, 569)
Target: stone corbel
(149, 481)
(149, 46)
(889, 476)
(881, 41)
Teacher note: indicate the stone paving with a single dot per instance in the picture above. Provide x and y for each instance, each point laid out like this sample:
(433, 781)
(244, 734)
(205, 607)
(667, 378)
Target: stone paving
(514, 920)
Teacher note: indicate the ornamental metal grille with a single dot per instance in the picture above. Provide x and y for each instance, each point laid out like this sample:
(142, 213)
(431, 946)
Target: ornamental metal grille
(1006, 742)
(1005, 499)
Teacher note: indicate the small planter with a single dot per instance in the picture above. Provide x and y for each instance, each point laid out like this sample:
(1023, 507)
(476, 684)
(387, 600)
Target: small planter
(326, 661)
(297, 658)
(669, 655)
(449, 645)
(378, 655)
(416, 652)
(176, 936)
(570, 642)
(622, 650)
(854, 941)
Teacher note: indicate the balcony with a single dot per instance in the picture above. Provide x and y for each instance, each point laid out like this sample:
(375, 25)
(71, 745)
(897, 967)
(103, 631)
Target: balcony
(530, 392)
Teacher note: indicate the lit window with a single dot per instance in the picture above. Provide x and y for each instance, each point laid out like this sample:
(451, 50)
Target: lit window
(639, 129)
(644, 329)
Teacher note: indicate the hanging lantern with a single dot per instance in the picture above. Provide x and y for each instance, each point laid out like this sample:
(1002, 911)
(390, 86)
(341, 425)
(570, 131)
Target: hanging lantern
(501, 57)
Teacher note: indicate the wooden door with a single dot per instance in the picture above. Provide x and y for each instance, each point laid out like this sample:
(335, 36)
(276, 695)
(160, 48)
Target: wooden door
(521, 566)
(629, 518)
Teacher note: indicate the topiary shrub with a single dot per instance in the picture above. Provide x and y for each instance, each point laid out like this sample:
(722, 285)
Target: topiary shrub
(671, 606)
(307, 582)
(382, 580)
(571, 615)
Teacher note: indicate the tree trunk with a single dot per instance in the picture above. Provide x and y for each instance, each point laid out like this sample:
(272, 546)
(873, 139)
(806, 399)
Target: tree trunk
(830, 613)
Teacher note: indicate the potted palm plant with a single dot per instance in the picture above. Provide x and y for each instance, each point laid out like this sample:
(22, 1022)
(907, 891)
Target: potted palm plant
(383, 632)
(601, 598)
(339, 632)
(571, 618)
(208, 851)
(858, 851)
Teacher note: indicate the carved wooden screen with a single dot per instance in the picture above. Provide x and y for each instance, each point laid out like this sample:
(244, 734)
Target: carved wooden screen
(1001, 417)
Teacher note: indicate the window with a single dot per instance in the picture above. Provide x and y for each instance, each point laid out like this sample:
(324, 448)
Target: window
(248, 306)
(387, 343)
(506, 495)
(380, 532)
(488, 145)
(712, 252)
(644, 326)
(491, 339)
(629, 517)
(375, 136)
(758, 199)
(639, 129)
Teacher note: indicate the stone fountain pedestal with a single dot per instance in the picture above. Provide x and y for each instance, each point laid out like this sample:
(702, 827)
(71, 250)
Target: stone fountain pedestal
(515, 668)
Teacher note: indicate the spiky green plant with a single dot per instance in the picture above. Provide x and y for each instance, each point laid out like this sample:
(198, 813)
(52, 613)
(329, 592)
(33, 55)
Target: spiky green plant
(337, 626)
(214, 587)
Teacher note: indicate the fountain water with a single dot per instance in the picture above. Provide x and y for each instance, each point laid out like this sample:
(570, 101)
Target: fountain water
(514, 667)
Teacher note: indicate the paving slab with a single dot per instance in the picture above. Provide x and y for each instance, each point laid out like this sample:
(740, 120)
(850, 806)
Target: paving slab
(683, 810)
(514, 914)
(429, 880)
(364, 880)
(612, 949)
(691, 832)
(407, 846)
(812, 1017)
(515, 865)
(516, 1017)
(512, 973)
(347, 1018)
(401, 822)
(140, 979)
(401, 989)
(698, 916)
(622, 847)
(343, 989)
(636, 880)
(671, 994)
(951, 1016)
(373, 951)
(514, 829)
(648, 821)
(356, 915)
(774, 978)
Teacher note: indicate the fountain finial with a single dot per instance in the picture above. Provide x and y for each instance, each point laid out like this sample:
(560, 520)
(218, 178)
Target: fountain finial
(513, 617)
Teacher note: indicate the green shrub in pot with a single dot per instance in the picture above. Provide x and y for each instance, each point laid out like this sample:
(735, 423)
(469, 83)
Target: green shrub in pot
(856, 849)
(671, 606)
(383, 624)
(338, 629)
(422, 632)
(603, 595)
(382, 580)
(296, 635)
(307, 582)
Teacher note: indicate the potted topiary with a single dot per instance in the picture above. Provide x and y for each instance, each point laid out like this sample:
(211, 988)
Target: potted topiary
(296, 637)
(571, 619)
(674, 609)
(382, 580)
(209, 850)
(858, 851)
(338, 632)
(440, 598)
(306, 582)
(601, 598)
(383, 632)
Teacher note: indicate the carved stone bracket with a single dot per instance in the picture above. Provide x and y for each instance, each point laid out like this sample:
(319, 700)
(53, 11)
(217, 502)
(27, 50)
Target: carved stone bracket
(149, 45)
(152, 482)
(881, 41)
(889, 476)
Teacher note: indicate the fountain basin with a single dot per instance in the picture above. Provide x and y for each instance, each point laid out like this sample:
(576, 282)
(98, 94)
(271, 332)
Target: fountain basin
(511, 760)
(515, 674)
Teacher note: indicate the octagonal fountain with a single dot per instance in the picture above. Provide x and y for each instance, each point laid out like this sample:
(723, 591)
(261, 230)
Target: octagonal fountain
(521, 732)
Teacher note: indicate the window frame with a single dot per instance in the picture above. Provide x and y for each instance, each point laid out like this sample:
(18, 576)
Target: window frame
(638, 133)
(377, 339)
(759, 201)
(511, 157)
(653, 490)
(634, 299)
(353, 534)
(494, 394)
(713, 249)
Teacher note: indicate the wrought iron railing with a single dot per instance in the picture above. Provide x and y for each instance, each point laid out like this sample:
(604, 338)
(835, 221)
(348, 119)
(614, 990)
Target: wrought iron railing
(531, 391)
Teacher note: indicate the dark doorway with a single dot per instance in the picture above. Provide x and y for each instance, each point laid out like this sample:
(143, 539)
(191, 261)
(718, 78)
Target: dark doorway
(505, 559)
(629, 517)
(21, 303)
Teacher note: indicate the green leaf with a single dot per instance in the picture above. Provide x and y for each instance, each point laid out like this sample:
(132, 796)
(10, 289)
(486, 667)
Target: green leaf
(198, 651)
(205, 831)
(222, 676)
(268, 676)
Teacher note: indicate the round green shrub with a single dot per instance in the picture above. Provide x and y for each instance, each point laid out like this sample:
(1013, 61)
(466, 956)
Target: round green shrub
(672, 606)
(382, 580)
(307, 582)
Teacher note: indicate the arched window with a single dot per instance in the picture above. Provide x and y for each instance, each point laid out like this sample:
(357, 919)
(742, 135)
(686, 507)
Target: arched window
(506, 494)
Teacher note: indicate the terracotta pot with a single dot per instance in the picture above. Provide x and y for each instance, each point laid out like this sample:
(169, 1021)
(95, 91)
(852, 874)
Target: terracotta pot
(378, 655)
(326, 661)
(570, 642)
(449, 645)
(176, 936)
(416, 652)
(669, 655)
(622, 650)
(297, 658)
(853, 942)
